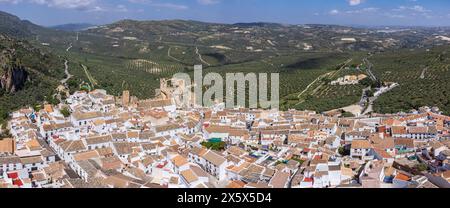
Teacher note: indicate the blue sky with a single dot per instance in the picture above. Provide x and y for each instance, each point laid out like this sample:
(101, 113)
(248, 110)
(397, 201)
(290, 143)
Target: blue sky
(343, 12)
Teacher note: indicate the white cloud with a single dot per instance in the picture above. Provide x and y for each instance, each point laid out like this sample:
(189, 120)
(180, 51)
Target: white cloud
(82, 5)
(121, 8)
(97, 9)
(67, 4)
(363, 11)
(334, 12)
(208, 2)
(140, 1)
(170, 6)
(64, 4)
(419, 8)
(400, 16)
(412, 12)
(415, 8)
(355, 2)
(160, 5)
(10, 1)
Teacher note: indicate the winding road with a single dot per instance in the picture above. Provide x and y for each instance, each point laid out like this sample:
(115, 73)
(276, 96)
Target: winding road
(200, 56)
(368, 102)
(66, 71)
(369, 69)
(63, 88)
(380, 92)
(66, 68)
(70, 47)
(365, 105)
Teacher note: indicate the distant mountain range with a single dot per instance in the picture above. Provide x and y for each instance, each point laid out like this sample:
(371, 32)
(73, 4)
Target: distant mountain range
(73, 27)
(260, 36)
(15, 27)
(275, 37)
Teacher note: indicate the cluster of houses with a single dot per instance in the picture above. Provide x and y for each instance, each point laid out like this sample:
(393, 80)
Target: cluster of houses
(349, 79)
(124, 142)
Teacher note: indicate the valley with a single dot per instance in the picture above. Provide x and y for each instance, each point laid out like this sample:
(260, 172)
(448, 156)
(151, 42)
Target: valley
(134, 55)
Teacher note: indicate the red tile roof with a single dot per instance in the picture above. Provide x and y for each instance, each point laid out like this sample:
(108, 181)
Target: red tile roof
(403, 177)
(17, 182)
(398, 130)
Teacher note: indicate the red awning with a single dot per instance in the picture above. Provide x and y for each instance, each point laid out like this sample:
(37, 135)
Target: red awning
(308, 180)
(13, 175)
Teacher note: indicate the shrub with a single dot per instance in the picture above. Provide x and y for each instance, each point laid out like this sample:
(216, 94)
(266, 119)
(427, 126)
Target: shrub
(66, 112)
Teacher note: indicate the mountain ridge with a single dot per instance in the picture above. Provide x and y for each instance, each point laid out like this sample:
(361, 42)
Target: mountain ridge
(73, 27)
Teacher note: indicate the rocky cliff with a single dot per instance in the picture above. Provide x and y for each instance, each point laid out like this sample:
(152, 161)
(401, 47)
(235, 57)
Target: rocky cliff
(28, 74)
(13, 78)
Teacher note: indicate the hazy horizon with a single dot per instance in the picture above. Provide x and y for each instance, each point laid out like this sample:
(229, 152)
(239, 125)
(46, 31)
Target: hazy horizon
(233, 23)
(368, 13)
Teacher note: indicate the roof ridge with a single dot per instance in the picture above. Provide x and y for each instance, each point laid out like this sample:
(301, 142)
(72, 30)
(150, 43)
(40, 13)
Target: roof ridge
(71, 142)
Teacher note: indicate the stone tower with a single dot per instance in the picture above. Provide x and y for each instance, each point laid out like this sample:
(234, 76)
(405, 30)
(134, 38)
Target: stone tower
(126, 98)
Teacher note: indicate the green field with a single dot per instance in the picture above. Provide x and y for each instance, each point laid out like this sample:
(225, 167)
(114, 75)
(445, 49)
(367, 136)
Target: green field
(135, 55)
(414, 91)
(139, 70)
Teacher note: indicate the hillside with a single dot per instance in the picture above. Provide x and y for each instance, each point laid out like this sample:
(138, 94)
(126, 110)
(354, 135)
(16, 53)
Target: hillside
(179, 42)
(28, 75)
(134, 55)
(301, 53)
(15, 27)
(271, 36)
(423, 76)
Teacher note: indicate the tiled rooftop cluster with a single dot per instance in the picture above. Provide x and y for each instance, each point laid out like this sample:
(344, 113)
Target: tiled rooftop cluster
(123, 142)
